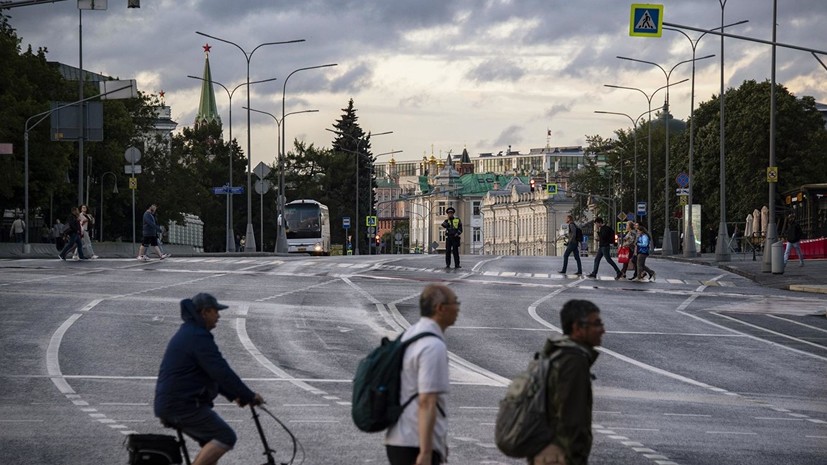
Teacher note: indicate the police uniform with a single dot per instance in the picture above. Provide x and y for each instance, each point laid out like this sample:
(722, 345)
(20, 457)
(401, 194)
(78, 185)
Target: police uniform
(453, 228)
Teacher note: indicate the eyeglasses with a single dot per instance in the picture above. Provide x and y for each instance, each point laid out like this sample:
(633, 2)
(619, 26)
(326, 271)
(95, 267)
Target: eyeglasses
(596, 323)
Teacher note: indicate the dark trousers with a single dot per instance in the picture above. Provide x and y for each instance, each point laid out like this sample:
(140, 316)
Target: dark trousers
(398, 455)
(572, 247)
(452, 248)
(74, 241)
(641, 267)
(604, 251)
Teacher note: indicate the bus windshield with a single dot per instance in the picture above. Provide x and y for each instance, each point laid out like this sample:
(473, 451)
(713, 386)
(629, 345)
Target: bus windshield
(302, 221)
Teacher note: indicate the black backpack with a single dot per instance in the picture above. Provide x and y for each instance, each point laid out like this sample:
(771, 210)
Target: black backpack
(522, 428)
(375, 404)
(578, 234)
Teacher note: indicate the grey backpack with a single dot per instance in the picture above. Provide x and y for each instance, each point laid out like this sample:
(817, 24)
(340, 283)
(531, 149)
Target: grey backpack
(522, 428)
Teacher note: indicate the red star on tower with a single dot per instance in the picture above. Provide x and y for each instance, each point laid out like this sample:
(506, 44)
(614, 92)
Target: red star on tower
(206, 48)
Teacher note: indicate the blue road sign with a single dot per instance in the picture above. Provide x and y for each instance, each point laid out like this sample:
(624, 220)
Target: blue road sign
(682, 179)
(346, 222)
(228, 190)
(646, 20)
(641, 208)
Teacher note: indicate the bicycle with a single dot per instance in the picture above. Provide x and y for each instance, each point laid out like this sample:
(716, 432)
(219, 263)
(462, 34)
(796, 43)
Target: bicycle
(164, 449)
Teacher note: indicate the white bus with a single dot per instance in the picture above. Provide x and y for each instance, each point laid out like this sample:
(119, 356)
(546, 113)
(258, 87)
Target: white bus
(308, 227)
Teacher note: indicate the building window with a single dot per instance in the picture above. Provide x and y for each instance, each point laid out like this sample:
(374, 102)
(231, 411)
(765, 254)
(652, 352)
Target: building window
(477, 234)
(441, 235)
(476, 208)
(440, 210)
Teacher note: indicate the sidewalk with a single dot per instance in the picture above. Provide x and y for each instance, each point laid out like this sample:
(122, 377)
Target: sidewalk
(812, 277)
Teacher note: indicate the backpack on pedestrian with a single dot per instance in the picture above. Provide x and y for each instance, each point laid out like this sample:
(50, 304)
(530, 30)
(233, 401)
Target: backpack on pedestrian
(375, 404)
(522, 428)
(578, 234)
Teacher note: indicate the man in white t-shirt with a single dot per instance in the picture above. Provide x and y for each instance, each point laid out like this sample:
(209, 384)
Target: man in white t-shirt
(420, 437)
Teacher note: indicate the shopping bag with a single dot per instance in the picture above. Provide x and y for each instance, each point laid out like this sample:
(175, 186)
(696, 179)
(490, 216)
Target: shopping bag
(623, 255)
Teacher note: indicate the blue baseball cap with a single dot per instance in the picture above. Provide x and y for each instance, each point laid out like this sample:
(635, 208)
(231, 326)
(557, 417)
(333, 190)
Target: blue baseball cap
(204, 300)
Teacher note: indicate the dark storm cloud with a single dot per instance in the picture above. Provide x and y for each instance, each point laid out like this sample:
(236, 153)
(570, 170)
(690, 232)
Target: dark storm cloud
(496, 70)
(353, 80)
(557, 109)
(509, 136)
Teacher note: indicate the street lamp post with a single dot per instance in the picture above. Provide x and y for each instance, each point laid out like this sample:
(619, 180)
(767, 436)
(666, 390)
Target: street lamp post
(358, 165)
(634, 128)
(721, 249)
(250, 244)
(689, 234)
(649, 128)
(114, 191)
(281, 238)
(229, 214)
(667, 237)
(372, 174)
(280, 191)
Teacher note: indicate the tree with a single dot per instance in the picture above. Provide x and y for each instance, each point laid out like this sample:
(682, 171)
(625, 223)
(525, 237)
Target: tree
(354, 142)
(800, 141)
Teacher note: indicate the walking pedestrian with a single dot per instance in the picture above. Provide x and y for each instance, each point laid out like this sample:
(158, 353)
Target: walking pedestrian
(606, 237)
(420, 435)
(75, 232)
(642, 249)
(58, 231)
(630, 242)
(572, 246)
(85, 220)
(18, 227)
(793, 234)
(453, 231)
(192, 374)
(569, 402)
(149, 230)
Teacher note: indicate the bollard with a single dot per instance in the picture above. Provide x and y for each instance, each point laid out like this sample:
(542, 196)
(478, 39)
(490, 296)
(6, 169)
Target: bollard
(777, 257)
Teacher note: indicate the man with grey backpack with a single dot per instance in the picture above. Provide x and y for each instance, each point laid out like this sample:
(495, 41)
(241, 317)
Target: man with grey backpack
(546, 415)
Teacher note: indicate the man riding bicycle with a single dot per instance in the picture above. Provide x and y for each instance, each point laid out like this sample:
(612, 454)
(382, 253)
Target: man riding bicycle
(193, 372)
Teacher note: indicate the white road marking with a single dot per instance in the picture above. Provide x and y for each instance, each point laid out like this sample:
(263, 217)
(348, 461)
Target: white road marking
(777, 334)
(687, 415)
(779, 419)
(745, 433)
(798, 323)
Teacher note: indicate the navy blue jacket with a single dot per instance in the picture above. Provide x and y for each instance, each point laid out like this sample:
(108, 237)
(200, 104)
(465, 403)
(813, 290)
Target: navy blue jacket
(193, 371)
(150, 227)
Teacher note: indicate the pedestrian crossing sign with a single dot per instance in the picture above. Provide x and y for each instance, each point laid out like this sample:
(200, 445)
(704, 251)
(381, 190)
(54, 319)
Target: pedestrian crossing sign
(646, 20)
(551, 189)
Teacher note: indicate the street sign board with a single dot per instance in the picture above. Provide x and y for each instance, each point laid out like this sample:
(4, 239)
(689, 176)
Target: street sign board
(641, 208)
(682, 180)
(772, 174)
(621, 216)
(551, 189)
(346, 222)
(132, 155)
(228, 190)
(683, 200)
(646, 20)
(219, 190)
(621, 226)
(370, 221)
(237, 190)
(398, 236)
(371, 230)
(682, 191)
(261, 170)
(132, 169)
(133, 183)
(262, 186)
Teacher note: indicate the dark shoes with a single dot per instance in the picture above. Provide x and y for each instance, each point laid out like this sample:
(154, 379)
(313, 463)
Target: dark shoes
(591, 275)
(457, 266)
(579, 273)
(562, 271)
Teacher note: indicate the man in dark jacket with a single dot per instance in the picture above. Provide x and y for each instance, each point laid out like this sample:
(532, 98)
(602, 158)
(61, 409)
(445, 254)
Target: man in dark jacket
(75, 232)
(570, 401)
(605, 239)
(193, 372)
(453, 231)
(149, 230)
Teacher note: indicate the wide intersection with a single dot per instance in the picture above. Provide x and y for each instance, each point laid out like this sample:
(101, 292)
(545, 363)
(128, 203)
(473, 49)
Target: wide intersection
(701, 367)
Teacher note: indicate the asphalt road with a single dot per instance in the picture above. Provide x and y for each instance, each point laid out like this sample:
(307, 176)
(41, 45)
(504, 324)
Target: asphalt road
(702, 367)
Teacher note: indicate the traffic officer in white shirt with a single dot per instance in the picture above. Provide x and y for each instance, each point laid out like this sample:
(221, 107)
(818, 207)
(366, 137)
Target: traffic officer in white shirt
(420, 437)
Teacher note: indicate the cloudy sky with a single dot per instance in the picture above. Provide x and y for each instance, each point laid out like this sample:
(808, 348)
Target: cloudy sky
(447, 74)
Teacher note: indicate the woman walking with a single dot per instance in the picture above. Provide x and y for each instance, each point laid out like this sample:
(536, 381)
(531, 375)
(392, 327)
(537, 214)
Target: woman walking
(642, 253)
(85, 220)
(629, 241)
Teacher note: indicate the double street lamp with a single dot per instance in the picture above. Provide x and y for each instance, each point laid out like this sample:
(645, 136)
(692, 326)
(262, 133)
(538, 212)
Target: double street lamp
(667, 237)
(250, 244)
(649, 98)
(635, 122)
(358, 166)
(280, 193)
(281, 239)
(230, 235)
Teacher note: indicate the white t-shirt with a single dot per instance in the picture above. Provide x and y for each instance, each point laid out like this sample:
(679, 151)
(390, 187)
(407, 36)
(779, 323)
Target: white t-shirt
(424, 370)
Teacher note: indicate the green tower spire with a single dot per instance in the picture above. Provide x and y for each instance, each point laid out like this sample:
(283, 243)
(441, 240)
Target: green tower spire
(207, 110)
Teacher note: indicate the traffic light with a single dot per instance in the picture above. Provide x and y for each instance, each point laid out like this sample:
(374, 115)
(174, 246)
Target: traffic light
(532, 185)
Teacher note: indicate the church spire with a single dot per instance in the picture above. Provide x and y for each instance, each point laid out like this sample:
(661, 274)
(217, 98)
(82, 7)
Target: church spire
(207, 110)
